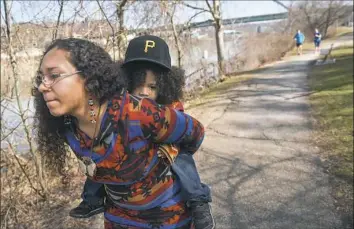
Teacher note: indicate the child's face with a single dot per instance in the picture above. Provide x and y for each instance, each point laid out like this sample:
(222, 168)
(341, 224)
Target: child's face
(148, 89)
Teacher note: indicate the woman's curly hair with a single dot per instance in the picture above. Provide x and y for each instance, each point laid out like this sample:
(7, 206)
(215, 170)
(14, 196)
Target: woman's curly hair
(103, 79)
(169, 83)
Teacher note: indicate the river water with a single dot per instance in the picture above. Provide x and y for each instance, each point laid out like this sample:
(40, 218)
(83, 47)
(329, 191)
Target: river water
(10, 120)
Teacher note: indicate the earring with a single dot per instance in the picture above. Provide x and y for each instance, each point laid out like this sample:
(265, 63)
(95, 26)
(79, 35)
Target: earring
(67, 120)
(92, 111)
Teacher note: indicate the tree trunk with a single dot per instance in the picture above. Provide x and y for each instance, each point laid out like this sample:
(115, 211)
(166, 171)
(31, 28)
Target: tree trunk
(121, 31)
(215, 11)
(178, 46)
(175, 36)
(219, 37)
(329, 16)
(55, 34)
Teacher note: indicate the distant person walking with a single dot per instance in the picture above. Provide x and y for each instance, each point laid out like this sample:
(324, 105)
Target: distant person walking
(317, 40)
(299, 38)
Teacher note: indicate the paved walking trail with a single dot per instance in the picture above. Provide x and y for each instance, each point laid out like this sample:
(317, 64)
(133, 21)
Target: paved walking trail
(257, 154)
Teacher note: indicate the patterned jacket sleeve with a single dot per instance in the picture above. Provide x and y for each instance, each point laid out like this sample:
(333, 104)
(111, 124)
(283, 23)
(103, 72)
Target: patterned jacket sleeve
(177, 105)
(165, 125)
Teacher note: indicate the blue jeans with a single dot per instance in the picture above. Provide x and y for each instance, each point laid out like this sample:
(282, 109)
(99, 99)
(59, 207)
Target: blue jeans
(93, 192)
(192, 189)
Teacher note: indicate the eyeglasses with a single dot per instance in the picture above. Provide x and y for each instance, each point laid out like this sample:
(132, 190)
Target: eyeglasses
(50, 79)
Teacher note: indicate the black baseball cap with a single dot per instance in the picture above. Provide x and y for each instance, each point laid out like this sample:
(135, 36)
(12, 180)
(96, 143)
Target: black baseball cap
(148, 48)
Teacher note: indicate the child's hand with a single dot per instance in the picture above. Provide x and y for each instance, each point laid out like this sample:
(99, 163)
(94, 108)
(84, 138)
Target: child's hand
(161, 154)
(167, 151)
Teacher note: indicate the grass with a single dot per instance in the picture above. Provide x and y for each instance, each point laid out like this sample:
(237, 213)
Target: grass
(332, 107)
(343, 30)
(225, 85)
(219, 88)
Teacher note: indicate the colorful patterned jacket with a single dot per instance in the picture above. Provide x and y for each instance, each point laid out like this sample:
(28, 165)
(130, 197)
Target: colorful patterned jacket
(171, 151)
(142, 192)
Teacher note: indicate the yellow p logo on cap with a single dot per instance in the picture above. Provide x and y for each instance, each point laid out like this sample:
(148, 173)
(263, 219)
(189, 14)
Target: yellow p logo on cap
(149, 44)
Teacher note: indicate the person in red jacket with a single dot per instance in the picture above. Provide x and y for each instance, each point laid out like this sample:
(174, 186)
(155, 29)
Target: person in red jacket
(81, 101)
(150, 78)
(145, 80)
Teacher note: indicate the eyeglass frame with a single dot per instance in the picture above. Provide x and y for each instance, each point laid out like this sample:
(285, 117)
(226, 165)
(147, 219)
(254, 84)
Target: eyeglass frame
(49, 85)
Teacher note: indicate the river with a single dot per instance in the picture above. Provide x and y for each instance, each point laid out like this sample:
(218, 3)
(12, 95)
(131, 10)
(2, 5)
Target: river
(10, 119)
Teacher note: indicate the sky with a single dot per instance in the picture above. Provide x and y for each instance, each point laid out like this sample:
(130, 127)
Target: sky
(24, 11)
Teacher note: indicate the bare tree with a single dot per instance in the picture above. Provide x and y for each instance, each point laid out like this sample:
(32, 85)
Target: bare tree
(118, 31)
(120, 9)
(22, 112)
(112, 29)
(290, 20)
(214, 9)
(322, 15)
(61, 5)
(170, 9)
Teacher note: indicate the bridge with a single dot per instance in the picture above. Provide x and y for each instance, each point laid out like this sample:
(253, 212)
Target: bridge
(230, 21)
(260, 18)
(207, 23)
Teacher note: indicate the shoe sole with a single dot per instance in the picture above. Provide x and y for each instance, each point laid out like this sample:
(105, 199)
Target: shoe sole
(91, 213)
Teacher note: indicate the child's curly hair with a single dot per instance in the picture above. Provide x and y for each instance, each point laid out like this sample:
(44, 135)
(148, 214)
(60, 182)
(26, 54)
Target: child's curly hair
(169, 83)
(103, 78)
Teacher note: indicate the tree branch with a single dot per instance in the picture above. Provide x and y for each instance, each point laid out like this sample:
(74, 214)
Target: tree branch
(24, 171)
(308, 17)
(281, 4)
(11, 131)
(61, 4)
(7, 22)
(195, 7)
(110, 25)
(187, 24)
(211, 10)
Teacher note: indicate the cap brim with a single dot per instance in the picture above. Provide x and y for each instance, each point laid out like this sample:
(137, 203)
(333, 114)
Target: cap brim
(145, 60)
